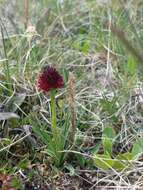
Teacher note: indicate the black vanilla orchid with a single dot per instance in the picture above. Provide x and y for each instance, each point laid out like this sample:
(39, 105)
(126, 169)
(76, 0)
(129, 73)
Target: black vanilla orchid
(50, 79)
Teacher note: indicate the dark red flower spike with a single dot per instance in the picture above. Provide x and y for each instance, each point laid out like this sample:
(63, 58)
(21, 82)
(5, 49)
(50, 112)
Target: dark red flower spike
(50, 79)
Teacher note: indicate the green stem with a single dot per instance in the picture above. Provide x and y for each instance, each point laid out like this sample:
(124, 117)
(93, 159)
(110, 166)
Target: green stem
(53, 113)
(6, 65)
(55, 132)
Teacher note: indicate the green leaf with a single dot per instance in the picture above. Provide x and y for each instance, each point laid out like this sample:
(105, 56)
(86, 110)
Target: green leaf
(109, 132)
(109, 106)
(137, 149)
(86, 46)
(122, 161)
(41, 133)
(16, 183)
(107, 145)
(71, 169)
(103, 161)
(108, 139)
(7, 115)
(95, 149)
(125, 156)
(24, 164)
(81, 160)
(131, 66)
(118, 165)
(16, 101)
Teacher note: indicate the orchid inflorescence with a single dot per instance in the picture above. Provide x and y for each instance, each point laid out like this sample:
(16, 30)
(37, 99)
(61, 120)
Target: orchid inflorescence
(50, 79)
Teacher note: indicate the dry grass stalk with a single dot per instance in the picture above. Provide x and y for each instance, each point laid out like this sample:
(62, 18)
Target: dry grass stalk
(26, 13)
(43, 21)
(122, 37)
(71, 101)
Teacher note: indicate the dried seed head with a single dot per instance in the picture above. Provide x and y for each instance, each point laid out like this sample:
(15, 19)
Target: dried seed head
(71, 100)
